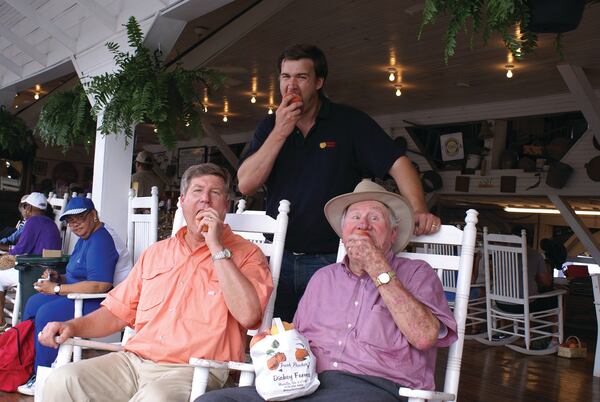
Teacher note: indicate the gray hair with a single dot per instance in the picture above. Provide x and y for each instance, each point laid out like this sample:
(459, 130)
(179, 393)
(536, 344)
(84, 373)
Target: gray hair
(205, 169)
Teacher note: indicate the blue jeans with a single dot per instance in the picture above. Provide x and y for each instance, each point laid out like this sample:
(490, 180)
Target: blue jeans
(46, 308)
(296, 271)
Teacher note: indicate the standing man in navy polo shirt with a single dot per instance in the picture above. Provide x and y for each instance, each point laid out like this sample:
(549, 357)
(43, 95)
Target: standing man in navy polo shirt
(310, 151)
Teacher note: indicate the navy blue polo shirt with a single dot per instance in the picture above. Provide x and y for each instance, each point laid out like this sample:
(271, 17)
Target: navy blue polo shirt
(344, 146)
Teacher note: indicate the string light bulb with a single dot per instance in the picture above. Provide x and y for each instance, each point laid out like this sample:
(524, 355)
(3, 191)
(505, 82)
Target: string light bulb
(398, 88)
(270, 110)
(253, 99)
(392, 76)
(225, 119)
(36, 96)
(509, 70)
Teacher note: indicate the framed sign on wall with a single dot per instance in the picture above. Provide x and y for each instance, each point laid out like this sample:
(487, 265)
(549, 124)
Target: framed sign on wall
(190, 156)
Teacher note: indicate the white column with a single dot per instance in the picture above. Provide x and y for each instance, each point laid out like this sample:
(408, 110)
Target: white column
(112, 179)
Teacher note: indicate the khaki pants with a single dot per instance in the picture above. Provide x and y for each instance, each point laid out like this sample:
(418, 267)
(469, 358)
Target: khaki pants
(123, 376)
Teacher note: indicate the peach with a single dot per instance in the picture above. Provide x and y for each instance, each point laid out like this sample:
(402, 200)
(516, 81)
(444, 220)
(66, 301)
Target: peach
(301, 354)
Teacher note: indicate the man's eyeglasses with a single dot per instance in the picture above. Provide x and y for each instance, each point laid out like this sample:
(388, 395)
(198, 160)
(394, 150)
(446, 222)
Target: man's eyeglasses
(76, 219)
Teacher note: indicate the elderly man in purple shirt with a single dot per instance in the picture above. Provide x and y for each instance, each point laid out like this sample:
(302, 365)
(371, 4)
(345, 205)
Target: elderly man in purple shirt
(374, 321)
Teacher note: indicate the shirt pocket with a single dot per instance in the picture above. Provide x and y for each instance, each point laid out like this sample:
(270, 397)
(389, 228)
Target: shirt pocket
(154, 287)
(379, 329)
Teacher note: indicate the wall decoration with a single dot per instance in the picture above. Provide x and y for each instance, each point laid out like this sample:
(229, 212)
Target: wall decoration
(451, 146)
(189, 157)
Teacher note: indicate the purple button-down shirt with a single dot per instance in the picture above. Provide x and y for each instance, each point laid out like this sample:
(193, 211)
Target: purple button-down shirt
(350, 328)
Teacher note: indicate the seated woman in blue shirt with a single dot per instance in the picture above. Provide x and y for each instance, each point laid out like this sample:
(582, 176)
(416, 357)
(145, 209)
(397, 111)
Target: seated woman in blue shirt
(90, 269)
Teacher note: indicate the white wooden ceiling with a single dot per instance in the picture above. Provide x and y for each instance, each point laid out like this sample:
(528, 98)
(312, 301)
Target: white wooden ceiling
(361, 39)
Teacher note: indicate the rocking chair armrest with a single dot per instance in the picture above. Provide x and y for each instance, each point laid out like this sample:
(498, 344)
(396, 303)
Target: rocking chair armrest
(86, 343)
(87, 295)
(215, 364)
(557, 292)
(201, 373)
(425, 395)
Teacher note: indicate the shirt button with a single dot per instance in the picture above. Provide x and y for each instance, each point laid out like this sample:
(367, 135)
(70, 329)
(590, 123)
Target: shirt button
(161, 337)
(335, 364)
(339, 342)
(171, 310)
(356, 303)
(349, 325)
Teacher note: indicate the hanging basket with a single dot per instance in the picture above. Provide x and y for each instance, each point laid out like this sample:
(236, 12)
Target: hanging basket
(555, 16)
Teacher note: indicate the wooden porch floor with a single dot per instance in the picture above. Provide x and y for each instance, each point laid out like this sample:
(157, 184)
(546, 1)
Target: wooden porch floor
(498, 374)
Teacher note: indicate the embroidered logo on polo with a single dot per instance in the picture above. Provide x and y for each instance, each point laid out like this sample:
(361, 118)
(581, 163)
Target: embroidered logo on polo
(327, 144)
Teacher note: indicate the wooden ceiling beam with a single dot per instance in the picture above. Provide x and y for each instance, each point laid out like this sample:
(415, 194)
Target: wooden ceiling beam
(100, 13)
(231, 33)
(23, 45)
(583, 233)
(44, 23)
(584, 95)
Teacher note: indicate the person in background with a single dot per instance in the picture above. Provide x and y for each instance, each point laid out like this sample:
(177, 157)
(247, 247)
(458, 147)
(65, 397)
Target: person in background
(39, 233)
(13, 237)
(555, 253)
(538, 277)
(191, 295)
(374, 321)
(310, 150)
(144, 176)
(91, 269)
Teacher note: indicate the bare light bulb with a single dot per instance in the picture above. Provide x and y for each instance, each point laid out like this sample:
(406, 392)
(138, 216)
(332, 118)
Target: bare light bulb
(392, 76)
(155, 130)
(205, 109)
(509, 73)
(36, 96)
(187, 123)
(224, 119)
(270, 111)
(253, 99)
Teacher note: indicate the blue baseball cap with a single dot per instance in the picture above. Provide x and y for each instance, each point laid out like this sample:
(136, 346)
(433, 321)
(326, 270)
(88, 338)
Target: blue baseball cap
(76, 206)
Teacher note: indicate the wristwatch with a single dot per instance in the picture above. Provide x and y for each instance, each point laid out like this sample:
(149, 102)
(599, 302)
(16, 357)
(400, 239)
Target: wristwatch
(384, 278)
(57, 290)
(220, 255)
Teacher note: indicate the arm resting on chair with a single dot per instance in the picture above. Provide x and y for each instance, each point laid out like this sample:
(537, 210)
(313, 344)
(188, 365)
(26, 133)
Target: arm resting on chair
(96, 324)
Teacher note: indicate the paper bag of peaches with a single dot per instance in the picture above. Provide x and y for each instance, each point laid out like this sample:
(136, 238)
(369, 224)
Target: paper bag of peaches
(285, 367)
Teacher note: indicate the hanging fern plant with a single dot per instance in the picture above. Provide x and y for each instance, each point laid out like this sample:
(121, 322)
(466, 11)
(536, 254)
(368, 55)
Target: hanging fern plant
(144, 90)
(66, 120)
(503, 17)
(16, 139)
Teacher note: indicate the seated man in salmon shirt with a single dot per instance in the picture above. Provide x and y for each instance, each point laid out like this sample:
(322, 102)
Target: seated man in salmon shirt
(192, 295)
(374, 321)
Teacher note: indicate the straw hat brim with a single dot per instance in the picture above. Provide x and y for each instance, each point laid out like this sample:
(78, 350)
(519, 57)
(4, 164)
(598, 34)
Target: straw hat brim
(398, 204)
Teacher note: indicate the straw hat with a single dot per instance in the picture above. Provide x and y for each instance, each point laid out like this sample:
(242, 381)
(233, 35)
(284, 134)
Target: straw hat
(367, 190)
